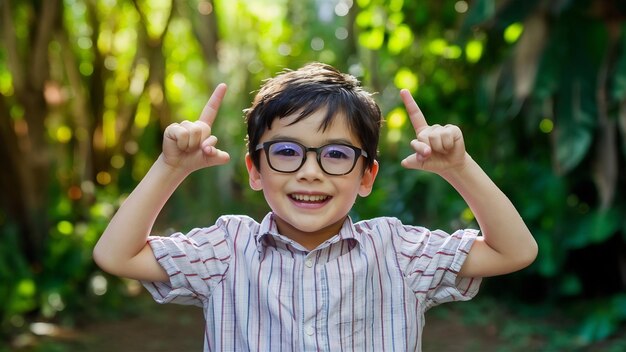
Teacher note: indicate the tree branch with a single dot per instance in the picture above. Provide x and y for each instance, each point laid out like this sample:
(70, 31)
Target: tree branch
(204, 28)
(45, 29)
(13, 57)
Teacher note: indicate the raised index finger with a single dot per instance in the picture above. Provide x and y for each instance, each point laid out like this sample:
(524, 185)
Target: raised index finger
(415, 114)
(212, 106)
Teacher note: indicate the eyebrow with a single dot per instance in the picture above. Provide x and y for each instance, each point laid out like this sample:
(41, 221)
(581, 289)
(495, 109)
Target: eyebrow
(328, 141)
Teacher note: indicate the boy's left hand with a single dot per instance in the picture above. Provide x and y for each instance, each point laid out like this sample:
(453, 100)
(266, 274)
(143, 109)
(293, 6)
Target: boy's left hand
(438, 149)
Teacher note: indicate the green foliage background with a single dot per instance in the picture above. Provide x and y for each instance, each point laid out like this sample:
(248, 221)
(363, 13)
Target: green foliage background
(538, 88)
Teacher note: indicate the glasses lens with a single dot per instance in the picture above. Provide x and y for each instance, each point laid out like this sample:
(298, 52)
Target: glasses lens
(285, 156)
(337, 159)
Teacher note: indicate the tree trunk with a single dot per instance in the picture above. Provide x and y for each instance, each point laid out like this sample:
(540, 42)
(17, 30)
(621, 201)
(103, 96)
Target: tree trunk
(25, 147)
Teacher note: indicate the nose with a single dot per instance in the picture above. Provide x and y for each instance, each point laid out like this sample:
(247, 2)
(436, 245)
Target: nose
(310, 170)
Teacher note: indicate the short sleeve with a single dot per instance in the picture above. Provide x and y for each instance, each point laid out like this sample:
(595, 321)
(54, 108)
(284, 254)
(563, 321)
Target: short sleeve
(196, 263)
(431, 261)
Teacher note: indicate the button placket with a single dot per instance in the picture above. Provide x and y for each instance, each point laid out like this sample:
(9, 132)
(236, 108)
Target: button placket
(309, 291)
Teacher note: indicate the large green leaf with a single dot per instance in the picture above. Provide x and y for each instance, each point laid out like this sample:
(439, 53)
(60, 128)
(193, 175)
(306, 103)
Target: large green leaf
(618, 83)
(575, 121)
(602, 319)
(573, 142)
(496, 18)
(576, 102)
(597, 326)
(516, 11)
(481, 11)
(618, 92)
(595, 227)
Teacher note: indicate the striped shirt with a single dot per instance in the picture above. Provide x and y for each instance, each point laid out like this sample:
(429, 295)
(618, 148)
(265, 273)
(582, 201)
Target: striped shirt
(365, 289)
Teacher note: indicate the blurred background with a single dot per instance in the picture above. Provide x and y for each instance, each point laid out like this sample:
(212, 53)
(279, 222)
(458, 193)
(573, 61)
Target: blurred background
(538, 88)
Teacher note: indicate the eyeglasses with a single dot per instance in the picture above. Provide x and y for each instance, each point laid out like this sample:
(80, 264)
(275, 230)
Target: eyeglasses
(333, 159)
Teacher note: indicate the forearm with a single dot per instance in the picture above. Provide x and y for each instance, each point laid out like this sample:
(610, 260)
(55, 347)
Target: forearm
(504, 231)
(506, 244)
(125, 236)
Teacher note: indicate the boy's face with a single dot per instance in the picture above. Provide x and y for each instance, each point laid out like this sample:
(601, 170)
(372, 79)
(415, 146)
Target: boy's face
(309, 205)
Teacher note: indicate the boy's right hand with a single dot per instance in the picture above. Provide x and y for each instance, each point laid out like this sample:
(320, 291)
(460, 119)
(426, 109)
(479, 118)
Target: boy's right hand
(190, 146)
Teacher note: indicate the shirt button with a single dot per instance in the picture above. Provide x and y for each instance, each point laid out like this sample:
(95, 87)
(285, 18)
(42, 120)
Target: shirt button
(310, 331)
(308, 263)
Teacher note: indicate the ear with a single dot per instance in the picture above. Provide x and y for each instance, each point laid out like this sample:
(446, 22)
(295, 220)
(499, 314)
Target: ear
(367, 180)
(254, 176)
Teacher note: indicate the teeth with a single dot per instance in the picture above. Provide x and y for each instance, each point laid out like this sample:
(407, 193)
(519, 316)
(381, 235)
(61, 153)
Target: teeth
(308, 198)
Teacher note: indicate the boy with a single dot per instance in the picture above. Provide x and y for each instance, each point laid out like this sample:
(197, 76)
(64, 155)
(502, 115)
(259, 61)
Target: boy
(306, 278)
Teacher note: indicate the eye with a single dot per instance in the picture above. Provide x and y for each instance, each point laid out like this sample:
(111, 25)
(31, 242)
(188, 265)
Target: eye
(338, 152)
(286, 149)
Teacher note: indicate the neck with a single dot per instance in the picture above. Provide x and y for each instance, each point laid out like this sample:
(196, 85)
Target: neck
(309, 240)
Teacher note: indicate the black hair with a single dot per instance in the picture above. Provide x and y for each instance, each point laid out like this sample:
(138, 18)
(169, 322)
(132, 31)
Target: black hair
(306, 90)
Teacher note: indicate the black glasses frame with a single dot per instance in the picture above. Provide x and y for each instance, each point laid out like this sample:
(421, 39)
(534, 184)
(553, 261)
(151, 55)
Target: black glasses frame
(358, 152)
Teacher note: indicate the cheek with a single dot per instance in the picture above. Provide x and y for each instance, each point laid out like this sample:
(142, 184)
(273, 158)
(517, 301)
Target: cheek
(350, 189)
(272, 182)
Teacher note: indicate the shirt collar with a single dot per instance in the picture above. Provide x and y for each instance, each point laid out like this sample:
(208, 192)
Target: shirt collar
(268, 236)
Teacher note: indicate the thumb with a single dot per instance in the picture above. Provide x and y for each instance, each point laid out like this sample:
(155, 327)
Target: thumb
(212, 155)
(216, 156)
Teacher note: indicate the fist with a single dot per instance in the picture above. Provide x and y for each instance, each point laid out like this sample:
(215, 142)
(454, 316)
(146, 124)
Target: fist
(190, 145)
(437, 148)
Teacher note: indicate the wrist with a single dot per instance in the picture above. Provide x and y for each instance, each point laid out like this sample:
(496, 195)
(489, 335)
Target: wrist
(166, 170)
(462, 170)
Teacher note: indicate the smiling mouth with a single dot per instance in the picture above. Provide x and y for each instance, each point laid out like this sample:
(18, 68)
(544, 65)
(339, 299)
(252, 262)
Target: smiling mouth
(308, 198)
